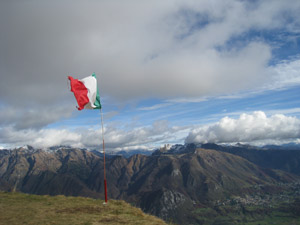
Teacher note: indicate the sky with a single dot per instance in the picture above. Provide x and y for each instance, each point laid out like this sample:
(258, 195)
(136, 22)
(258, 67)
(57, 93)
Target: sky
(169, 72)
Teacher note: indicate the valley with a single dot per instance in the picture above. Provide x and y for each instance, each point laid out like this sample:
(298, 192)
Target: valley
(189, 185)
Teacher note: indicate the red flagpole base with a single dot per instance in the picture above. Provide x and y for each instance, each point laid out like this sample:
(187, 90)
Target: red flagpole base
(105, 190)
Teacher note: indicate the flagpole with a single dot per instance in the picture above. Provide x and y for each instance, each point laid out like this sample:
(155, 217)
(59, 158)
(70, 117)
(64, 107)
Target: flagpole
(90, 85)
(103, 145)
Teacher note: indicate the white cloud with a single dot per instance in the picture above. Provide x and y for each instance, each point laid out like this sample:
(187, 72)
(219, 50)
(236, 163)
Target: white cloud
(40, 139)
(115, 139)
(187, 100)
(284, 74)
(248, 128)
(154, 107)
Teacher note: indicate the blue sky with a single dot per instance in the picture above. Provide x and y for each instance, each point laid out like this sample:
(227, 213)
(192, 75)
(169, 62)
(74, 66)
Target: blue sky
(171, 72)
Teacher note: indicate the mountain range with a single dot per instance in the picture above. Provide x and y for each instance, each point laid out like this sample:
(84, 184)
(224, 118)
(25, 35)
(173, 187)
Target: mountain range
(173, 184)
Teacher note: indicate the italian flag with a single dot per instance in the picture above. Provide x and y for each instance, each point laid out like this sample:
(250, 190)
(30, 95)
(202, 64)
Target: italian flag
(86, 92)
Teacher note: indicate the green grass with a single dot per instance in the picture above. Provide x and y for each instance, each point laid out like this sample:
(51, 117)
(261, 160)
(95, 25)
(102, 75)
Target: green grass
(18, 208)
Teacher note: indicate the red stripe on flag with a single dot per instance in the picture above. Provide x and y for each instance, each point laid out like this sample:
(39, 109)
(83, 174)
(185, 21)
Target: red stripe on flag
(80, 92)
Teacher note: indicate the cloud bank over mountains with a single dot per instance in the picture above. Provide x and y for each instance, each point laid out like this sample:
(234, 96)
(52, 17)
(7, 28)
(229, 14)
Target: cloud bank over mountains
(248, 128)
(115, 138)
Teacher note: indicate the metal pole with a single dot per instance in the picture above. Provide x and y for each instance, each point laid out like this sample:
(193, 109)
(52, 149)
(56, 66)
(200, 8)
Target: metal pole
(103, 145)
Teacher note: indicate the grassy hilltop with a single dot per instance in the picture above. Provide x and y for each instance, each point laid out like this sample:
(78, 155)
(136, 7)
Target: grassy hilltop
(18, 208)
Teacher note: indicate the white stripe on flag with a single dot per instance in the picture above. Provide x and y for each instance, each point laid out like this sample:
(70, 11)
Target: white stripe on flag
(91, 85)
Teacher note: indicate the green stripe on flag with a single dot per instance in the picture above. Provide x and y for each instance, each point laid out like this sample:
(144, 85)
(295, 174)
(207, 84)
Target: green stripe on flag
(97, 103)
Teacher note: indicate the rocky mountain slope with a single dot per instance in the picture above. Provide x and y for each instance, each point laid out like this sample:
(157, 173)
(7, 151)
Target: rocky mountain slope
(170, 186)
(273, 157)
